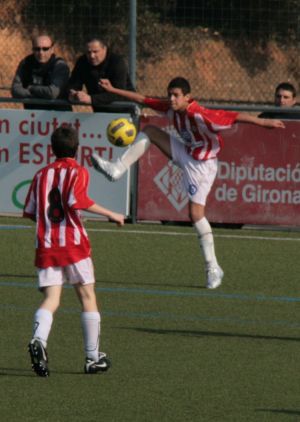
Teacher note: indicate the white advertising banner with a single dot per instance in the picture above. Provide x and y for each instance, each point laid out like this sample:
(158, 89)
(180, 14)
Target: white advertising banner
(25, 148)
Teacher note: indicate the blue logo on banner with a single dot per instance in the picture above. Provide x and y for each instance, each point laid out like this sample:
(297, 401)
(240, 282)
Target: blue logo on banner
(192, 189)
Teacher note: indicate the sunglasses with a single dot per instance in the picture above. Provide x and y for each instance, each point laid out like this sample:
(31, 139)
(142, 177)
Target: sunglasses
(41, 48)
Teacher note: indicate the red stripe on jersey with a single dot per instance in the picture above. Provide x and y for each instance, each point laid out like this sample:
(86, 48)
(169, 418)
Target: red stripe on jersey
(40, 204)
(199, 137)
(221, 140)
(208, 149)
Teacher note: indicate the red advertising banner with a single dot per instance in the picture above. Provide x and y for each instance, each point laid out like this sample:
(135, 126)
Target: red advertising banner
(258, 180)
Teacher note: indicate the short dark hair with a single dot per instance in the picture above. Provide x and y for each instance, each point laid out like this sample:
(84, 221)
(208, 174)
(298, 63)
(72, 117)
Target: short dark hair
(100, 40)
(65, 141)
(35, 37)
(286, 86)
(180, 82)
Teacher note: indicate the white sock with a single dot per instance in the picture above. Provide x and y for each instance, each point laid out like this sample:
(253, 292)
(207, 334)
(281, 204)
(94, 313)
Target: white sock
(136, 150)
(206, 241)
(91, 334)
(42, 325)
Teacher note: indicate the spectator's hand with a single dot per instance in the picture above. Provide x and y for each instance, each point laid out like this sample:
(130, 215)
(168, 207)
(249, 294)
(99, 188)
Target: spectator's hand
(105, 83)
(273, 123)
(83, 97)
(72, 95)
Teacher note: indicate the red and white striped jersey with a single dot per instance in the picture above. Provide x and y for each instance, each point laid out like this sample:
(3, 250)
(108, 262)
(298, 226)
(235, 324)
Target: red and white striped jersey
(198, 127)
(57, 194)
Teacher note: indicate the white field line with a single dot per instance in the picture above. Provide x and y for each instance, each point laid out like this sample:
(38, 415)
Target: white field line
(169, 233)
(229, 236)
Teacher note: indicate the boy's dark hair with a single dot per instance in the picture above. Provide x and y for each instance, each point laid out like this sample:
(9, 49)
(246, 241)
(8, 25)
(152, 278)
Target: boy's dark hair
(65, 142)
(286, 86)
(181, 83)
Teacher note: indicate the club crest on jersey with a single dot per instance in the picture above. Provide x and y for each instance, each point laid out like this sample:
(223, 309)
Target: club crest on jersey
(192, 189)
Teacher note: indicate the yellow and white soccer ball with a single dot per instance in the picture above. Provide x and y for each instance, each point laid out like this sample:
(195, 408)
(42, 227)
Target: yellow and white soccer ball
(121, 132)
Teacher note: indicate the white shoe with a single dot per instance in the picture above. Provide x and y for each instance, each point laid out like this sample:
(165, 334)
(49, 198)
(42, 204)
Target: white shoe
(214, 277)
(112, 171)
(102, 365)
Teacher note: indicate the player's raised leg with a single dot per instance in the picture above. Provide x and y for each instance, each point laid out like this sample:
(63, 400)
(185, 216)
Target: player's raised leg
(115, 170)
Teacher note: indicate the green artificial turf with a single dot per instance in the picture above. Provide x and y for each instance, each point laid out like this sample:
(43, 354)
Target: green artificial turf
(179, 351)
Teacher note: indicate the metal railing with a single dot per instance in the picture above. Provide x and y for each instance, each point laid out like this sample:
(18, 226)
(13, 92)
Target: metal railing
(135, 108)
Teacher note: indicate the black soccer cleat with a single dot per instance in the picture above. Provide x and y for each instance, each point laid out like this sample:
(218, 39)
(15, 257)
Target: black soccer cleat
(39, 358)
(102, 365)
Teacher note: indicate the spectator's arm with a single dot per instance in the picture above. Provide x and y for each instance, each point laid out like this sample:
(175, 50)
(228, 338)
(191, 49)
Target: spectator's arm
(17, 89)
(75, 82)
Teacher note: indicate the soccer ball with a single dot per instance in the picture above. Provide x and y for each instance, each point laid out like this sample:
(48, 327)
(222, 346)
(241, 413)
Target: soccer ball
(121, 132)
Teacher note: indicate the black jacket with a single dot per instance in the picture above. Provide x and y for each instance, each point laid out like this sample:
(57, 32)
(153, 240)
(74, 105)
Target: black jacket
(113, 68)
(288, 115)
(41, 80)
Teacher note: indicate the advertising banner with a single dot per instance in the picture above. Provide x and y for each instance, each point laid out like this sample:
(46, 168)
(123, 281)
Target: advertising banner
(258, 180)
(25, 148)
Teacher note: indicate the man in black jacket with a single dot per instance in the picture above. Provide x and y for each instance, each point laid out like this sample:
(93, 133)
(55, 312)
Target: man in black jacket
(97, 63)
(42, 75)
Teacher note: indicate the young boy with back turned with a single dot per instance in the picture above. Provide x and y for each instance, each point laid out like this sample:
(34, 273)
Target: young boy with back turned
(194, 149)
(57, 194)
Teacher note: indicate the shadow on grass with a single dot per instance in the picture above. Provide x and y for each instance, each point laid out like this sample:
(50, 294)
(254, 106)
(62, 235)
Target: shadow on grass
(21, 372)
(16, 372)
(281, 411)
(18, 275)
(195, 333)
(106, 283)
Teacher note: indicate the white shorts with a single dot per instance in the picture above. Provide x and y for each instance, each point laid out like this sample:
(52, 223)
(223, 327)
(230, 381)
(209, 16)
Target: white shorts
(81, 272)
(198, 176)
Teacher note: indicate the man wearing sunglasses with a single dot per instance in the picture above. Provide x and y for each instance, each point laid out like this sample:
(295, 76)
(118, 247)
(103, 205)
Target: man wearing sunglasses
(42, 75)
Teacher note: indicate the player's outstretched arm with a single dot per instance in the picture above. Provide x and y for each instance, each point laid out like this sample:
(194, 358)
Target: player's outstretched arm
(111, 215)
(130, 95)
(248, 118)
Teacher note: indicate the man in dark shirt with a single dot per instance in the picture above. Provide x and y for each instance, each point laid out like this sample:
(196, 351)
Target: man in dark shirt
(285, 97)
(42, 75)
(97, 63)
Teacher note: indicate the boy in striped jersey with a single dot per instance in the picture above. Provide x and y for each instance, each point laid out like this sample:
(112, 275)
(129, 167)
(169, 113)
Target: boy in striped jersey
(194, 149)
(57, 194)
